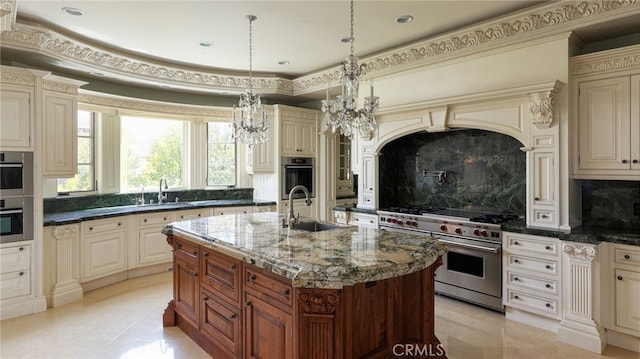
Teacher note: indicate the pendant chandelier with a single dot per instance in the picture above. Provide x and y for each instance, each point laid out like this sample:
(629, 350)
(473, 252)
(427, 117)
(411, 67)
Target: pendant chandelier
(252, 124)
(342, 113)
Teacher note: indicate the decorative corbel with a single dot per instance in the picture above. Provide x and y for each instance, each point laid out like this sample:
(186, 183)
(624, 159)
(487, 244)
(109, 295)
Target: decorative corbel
(8, 10)
(542, 105)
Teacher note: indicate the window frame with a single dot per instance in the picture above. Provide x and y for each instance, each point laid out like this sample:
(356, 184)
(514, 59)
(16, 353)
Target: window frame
(235, 159)
(93, 164)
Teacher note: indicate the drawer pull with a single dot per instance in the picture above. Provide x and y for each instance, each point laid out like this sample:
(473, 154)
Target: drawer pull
(164, 219)
(232, 316)
(548, 266)
(536, 199)
(516, 297)
(233, 266)
(91, 228)
(21, 249)
(548, 286)
(247, 304)
(252, 278)
(544, 216)
(516, 261)
(516, 279)
(516, 243)
(179, 245)
(285, 293)
(205, 254)
(635, 161)
(205, 299)
(195, 253)
(626, 256)
(119, 223)
(21, 273)
(145, 220)
(620, 277)
(548, 305)
(624, 161)
(195, 274)
(547, 248)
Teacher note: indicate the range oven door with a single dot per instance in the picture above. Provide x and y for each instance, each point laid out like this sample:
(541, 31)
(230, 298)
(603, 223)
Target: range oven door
(471, 269)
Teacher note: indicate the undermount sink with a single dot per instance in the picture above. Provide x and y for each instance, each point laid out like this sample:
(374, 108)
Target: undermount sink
(314, 226)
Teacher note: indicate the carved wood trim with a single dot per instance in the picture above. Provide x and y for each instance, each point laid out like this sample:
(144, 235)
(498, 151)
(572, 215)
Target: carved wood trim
(318, 301)
(169, 315)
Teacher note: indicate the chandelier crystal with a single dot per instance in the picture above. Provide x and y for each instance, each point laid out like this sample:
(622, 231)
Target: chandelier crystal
(342, 113)
(252, 124)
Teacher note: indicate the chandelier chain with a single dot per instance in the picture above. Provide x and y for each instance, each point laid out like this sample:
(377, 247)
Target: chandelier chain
(351, 38)
(251, 18)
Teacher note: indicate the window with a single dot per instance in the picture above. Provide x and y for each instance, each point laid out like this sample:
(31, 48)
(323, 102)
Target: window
(151, 149)
(221, 155)
(84, 180)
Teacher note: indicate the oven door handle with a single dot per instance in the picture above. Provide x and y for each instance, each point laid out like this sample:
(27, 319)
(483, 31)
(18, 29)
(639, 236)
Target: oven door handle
(11, 211)
(470, 246)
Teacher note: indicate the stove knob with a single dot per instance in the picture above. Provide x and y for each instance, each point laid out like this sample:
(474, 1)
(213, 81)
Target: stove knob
(483, 233)
(393, 220)
(415, 224)
(476, 232)
(443, 228)
(400, 223)
(458, 231)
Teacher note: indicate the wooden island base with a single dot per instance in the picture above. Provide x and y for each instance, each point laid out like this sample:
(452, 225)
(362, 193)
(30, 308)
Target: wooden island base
(233, 309)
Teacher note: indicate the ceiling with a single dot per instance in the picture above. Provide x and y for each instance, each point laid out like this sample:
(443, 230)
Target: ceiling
(305, 33)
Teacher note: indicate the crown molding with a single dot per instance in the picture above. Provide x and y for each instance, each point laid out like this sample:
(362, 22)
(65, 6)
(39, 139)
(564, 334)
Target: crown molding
(550, 19)
(603, 62)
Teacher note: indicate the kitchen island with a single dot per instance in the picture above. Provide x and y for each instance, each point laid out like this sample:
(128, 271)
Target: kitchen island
(245, 286)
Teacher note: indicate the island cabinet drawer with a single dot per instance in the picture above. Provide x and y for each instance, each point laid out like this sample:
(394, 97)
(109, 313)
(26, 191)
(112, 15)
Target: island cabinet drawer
(532, 283)
(537, 304)
(221, 275)
(222, 324)
(264, 282)
(532, 244)
(186, 249)
(524, 263)
(627, 256)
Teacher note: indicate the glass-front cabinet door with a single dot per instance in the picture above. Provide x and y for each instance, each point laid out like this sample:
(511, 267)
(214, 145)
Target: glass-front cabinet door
(345, 178)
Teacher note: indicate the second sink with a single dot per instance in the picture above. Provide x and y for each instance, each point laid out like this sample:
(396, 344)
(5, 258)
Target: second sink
(314, 226)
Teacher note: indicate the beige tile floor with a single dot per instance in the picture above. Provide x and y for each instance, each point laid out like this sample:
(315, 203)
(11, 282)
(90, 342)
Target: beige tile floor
(125, 321)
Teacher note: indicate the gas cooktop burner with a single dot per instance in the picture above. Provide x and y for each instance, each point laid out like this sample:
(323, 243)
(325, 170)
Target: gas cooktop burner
(494, 218)
(413, 210)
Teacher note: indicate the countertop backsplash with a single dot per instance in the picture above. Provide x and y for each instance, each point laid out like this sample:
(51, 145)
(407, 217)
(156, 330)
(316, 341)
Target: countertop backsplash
(68, 204)
(611, 204)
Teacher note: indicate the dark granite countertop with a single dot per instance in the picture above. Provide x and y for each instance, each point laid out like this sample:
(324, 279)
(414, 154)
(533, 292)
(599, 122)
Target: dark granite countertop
(56, 219)
(582, 234)
(353, 208)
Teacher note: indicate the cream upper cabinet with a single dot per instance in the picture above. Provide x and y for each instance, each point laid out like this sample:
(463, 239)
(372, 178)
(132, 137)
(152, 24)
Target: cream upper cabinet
(344, 182)
(607, 118)
(60, 127)
(260, 157)
(298, 137)
(16, 118)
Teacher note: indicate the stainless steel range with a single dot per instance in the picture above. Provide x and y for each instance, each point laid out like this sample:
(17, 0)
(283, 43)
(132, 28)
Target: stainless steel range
(472, 267)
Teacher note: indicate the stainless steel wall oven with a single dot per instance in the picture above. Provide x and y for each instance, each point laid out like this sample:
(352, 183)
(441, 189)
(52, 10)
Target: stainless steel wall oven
(297, 171)
(16, 196)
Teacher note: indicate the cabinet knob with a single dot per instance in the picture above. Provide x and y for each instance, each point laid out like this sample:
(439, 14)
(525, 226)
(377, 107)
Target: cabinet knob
(21, 273)
(91, 228)
(285, 292)
(536, 199)
(516, 279)
(145, 220)
(179, 245)
(252, 278)
(195, 253)
(195, 274)
(205, 299)
(232, 316)
(625, 161)
(547, 248)
(544, 216)
(21, 249)
(119, 223)
(516, 243)
(548, 286)
(548, 266)
(516, 297)
(165, 218)
(620, 277)
(548, 305)
(516, 261)
(233, 266)
(205, 254)
(626, 256)
(247, 304)
(634, 161)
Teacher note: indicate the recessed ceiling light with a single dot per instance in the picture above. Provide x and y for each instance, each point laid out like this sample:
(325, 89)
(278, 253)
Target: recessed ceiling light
(404, 19)
(72, 11)
(206, 43)
(283, 62)
(347, 39)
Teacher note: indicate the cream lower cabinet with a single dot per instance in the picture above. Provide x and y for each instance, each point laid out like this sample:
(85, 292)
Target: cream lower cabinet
(363, 219)
(220, 211)
(532, 278)
(103, 248)
(299, 208)
(15, 271)
(622, 301)
(193, 214)
(151, 246)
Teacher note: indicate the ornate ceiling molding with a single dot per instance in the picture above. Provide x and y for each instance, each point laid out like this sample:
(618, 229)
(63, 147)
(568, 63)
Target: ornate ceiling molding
(627, 58)
(554, 18)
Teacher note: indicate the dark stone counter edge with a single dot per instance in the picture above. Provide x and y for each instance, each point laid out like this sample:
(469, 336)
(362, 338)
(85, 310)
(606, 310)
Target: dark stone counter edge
(582, 234)
(351, 208)
(58, 219)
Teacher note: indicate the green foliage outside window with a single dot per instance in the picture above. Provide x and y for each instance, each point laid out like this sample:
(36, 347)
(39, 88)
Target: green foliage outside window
(221, 155)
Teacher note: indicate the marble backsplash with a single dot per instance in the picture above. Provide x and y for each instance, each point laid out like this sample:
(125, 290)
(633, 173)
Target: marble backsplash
(611, 204)
(67, 204)
(484, 171)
